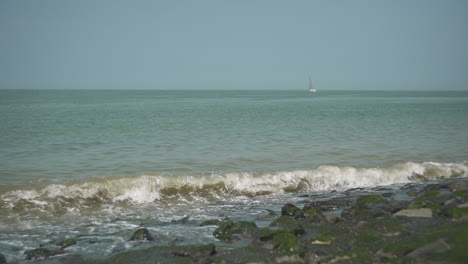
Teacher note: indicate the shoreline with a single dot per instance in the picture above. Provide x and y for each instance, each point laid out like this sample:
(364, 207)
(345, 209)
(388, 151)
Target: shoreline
(417, 223)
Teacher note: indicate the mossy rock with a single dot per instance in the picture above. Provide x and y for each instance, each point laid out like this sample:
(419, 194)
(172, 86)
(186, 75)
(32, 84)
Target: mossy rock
(427, 196)
(433, 207)
(2, 259)
(214, 222)
(370, 199)
(195, 251)
(285, 242)
(311, 211)
(291, 210)
(227, 229)
(361, 213)
(269, 234)
(462, 194)
(66, 243)
(38, 254)
(142, 234)
(223, 228)
(285, 221)
(455, 213)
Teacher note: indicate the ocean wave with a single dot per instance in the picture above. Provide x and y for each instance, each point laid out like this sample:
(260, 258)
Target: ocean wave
(57, 199)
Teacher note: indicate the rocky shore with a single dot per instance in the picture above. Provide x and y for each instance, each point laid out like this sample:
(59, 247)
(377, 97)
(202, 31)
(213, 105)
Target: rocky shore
(421, 223)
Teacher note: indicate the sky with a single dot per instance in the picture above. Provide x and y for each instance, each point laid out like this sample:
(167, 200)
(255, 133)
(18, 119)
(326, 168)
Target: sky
(246, 44)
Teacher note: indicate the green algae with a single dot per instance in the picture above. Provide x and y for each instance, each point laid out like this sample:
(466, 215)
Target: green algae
(285, 242)
(369, 199)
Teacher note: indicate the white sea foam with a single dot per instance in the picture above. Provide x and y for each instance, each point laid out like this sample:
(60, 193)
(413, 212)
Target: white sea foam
(192, 188)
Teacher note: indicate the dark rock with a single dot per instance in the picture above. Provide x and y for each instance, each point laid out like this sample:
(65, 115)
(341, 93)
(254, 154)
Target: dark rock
(267, 235)
(292, 210)
(66, 243)
(285, 242)
(40, 254)
(2, 259)
(285, 222)
(195, 251)
(183, 220)
(458, 186)
(215, 222)
(142, 234)
(227, 230)
(370, 199)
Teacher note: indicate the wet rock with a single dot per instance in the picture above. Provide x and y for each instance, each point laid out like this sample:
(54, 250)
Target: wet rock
(195, 251)
(2, 259)
(267, 235)
(310, 210)
(227, 230)
(285, 242)
(458, 186)
(370, 199)
(142, 234)
(215, 222)
(285, 222)
(183, 220)
(66, 243)
(222, 232)
(40, 254)
(421, 212)
(291, 210)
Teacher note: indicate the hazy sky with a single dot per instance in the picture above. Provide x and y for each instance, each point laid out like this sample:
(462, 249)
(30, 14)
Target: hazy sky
(251, 44)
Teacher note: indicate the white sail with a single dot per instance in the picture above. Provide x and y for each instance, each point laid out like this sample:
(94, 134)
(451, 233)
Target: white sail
(311, 87)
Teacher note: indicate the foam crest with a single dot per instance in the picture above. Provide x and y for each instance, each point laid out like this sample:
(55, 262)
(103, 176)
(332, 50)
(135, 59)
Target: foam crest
(59, 199)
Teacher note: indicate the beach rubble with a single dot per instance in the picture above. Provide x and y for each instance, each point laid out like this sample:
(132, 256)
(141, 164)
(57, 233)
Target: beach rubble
(431, 226)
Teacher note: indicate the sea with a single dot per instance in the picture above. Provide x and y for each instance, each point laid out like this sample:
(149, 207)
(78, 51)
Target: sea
(96, 165)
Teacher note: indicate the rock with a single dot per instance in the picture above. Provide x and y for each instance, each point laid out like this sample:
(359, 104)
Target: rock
(291, 210)
(267, 235)
(183, 220)
(332, 219)
(456, 213)
(313, 259)
(438, 246)
(195, 251)
(311, 211)
(295, 258)
(142, 234)
(226, 230)
(458, 186)
(421, 212)
(215, 222)
(285, 222)
(285, 242)
(66, 243)
(39, 254)
(2, 259)
(370, 199)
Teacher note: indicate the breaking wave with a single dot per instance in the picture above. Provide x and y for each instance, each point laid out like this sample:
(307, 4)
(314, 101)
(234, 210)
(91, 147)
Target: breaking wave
(58, 199)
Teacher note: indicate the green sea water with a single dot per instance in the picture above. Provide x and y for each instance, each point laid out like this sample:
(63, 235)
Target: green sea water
(96, 165)
(68, 135)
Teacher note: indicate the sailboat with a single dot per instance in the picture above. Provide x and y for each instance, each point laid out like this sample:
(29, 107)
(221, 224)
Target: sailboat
(311, 87)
